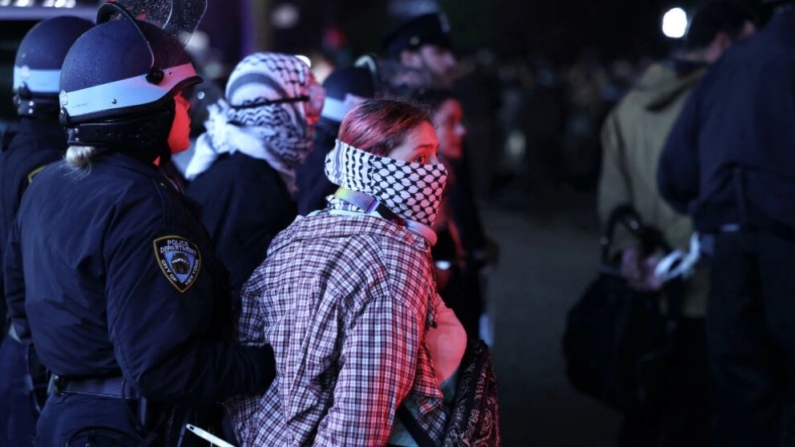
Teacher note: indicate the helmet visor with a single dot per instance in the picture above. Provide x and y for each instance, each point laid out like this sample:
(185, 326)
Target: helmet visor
(179, 18)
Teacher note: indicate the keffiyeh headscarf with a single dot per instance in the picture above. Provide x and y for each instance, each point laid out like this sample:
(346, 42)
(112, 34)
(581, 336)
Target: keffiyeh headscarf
(276, 131)
(411, 190)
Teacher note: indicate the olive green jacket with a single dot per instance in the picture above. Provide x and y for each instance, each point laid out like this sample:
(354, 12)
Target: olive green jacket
(633, 136)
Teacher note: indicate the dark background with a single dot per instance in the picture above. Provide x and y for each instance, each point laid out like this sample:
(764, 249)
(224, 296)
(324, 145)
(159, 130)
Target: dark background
(512, 28)
(539, 78)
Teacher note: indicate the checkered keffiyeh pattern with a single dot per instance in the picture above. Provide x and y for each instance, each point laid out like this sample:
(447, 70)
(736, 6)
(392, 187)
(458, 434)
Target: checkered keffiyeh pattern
(276, 133)
(345, 302)
(412, 190)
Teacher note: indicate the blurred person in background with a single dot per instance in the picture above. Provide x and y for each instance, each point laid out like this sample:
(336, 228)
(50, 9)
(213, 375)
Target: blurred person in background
(423, 42)
(633, 137)
(729, 163)
(345, 89)
(39, 141)
(243, 171)
(540, 113)
(457, 287)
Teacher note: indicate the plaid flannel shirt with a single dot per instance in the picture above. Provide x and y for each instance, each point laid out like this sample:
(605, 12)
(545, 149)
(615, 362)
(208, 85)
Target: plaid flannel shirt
(345, 302)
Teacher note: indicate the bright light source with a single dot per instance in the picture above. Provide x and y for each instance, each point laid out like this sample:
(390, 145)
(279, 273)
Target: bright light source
(306, 60)
(674, 24)
(60, 3)
(285, 16)
(23, 3)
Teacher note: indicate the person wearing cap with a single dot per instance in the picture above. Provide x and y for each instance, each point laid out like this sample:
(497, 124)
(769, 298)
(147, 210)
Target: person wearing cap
(424, 43)
(39, 140)
(345, 89)
(243, 173)
(729, 163)
(108, 271)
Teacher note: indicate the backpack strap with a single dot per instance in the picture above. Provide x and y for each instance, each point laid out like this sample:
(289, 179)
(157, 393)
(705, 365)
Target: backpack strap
(420, 436)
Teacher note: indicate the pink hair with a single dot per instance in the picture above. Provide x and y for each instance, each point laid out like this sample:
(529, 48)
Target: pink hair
(380, 125)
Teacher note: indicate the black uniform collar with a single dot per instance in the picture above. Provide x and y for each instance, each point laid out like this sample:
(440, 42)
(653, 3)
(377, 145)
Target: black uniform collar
(41, 127)
(122, 160)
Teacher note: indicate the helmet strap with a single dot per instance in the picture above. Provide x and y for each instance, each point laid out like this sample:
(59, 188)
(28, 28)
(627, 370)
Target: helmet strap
(143, 137)
(28, 104)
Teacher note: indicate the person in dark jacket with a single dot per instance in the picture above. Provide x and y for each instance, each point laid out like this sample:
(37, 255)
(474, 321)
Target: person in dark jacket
(455, 278)
(39, 141)
(729, 163)
(345, 89)
(108, 270)
(243, 171)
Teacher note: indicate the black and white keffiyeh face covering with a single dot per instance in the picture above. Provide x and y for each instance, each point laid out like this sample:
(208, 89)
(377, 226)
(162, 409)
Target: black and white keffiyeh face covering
(411, 190)
(264, 115)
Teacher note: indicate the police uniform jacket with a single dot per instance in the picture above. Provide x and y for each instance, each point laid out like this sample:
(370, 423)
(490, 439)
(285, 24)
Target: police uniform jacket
(109, 272)
(729, 158)
(244, 204)
(37, 143)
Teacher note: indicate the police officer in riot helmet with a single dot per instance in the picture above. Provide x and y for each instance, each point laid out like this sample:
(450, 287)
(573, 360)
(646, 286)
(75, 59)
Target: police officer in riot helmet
(38, 141)
(108, 270)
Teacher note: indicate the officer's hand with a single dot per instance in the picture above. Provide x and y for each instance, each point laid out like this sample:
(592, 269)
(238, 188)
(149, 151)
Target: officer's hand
(639, 270)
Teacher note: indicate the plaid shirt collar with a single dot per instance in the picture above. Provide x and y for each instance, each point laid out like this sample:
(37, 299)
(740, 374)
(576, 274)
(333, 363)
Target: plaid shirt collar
(334, 226)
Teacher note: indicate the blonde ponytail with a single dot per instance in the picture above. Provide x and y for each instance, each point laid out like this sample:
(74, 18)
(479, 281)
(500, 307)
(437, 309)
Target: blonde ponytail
(80, 157)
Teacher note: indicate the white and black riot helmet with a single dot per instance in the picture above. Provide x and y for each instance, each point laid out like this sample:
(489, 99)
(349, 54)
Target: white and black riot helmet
(37, 66)
(119, 80)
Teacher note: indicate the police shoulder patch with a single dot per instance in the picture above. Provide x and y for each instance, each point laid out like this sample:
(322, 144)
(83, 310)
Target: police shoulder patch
(179, 259)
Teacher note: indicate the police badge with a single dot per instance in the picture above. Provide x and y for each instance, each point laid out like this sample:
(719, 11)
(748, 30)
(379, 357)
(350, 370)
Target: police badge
(179, 260)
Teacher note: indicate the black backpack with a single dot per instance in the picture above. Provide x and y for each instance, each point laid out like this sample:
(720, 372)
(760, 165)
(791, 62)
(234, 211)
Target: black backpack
(617, 341)
(474, 419)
